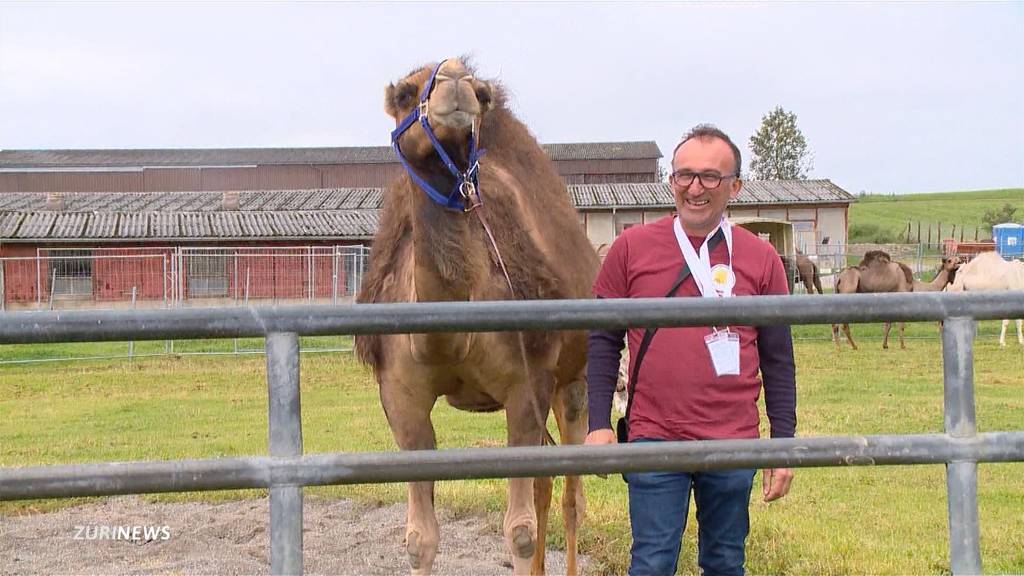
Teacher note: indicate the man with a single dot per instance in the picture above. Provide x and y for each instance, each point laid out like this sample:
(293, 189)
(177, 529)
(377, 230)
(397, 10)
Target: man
(695, 383)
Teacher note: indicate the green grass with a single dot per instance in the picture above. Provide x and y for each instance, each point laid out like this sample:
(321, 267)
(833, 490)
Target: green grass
(39, 352)
(877, 520)
(888, 215)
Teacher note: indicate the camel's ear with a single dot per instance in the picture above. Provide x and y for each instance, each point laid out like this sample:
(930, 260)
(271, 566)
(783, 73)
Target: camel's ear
(399, 98)
(484, 94)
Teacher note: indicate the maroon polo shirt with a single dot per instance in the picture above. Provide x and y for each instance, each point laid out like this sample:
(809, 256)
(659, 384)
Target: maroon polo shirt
(678, 396)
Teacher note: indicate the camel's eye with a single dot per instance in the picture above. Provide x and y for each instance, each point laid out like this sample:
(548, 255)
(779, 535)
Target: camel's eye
(483, 93)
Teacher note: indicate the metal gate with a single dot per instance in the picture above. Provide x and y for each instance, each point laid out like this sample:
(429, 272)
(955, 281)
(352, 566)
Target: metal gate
(286, 470)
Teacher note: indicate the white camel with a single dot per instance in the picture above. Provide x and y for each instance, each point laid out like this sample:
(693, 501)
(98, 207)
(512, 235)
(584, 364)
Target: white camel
(988, 271)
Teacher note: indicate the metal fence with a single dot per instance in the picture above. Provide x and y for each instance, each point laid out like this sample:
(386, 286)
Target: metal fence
(286, 470)
(923, 259)
(174, 277)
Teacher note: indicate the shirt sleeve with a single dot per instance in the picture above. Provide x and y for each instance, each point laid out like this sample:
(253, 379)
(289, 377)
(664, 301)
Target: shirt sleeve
(604, 347)
(775, 350)
(604, 351)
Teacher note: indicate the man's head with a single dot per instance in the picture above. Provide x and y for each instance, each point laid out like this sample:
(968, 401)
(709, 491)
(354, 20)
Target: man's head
(705, 176)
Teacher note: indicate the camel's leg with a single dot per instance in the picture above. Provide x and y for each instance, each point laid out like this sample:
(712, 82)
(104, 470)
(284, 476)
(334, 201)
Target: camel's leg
(903, 345)
(817, 283)
(524, 409)
(885, 340)
(1020, 331)
(835, 336)
(570, 407)
(542, 504)
(409, 417)
(849, 337)
(1002, 332)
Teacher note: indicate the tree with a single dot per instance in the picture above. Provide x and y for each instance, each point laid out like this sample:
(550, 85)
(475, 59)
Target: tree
(999, 216)
(779, 149)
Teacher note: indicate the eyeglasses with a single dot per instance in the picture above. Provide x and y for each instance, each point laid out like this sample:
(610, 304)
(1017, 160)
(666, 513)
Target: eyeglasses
(708, 180)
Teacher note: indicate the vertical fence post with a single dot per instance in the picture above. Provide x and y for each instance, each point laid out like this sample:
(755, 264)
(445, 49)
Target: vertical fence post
(334, 277)
(285, 441)
(962, 476)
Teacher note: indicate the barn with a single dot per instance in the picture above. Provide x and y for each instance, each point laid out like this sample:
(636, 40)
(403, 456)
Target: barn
(202, 227)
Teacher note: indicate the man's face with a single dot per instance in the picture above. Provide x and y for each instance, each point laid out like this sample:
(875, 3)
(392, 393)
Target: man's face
(700, 208)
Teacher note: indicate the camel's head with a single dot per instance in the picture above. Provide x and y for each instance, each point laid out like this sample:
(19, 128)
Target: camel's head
(455, 104)
(950, 263)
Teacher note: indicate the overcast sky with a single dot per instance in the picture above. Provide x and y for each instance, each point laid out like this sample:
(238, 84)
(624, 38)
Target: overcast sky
(907, 97)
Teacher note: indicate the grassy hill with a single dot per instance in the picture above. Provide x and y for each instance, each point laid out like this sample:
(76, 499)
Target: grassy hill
(884, 218)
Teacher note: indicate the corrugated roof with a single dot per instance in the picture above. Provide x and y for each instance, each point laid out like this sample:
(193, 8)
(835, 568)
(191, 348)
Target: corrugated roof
(333, 212)
(754, 192)
(603, 150)
(186, 225)
(183, 157)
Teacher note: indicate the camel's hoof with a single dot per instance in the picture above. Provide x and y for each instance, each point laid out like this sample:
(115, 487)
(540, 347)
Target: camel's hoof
(412, 547)
(522, 542)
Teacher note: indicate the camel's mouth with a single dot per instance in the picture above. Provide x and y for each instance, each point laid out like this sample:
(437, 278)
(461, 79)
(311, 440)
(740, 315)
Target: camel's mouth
(454, 119)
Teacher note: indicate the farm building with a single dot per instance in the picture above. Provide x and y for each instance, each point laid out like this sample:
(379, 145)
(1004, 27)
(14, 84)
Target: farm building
(280, 168)
(817, 209)
(75, 231)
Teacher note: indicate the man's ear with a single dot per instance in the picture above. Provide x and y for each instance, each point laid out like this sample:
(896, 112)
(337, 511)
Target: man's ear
(736, 185)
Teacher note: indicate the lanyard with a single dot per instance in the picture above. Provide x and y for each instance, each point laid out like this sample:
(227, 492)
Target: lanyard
(710, 285)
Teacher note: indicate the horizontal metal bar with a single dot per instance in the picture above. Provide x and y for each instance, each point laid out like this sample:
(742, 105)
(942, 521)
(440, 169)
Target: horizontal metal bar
(233, 322)
(374, 467)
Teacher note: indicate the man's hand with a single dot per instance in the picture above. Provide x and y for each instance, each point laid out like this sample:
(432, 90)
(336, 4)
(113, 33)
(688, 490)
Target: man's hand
(774, 482)
(600, 436)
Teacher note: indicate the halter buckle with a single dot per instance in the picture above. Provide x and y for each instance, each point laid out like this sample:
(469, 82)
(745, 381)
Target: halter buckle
(468, 191)
(422, 110)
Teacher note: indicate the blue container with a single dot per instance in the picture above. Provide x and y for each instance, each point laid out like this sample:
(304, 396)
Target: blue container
(1009, 239)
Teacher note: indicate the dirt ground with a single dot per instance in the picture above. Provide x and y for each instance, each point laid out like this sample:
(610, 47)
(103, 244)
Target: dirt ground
(339, 537)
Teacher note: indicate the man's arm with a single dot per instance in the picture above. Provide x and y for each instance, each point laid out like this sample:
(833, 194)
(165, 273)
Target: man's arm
(778, 374)
(604, 349)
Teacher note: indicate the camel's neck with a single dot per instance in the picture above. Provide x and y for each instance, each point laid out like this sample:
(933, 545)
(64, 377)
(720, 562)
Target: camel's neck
(443, 247)
(940, 280)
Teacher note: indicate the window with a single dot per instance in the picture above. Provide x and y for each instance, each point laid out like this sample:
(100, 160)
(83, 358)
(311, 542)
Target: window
(624, 220)
(71, 274)
(208, 273)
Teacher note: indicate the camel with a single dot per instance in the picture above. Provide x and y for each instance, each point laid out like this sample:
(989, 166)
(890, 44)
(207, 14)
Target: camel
(876, 273)
(807, 272)
(498, 229)
(988, 271)
(947, 272)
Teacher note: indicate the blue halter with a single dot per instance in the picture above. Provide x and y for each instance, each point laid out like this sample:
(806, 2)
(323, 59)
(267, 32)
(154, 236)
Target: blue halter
(466, 183)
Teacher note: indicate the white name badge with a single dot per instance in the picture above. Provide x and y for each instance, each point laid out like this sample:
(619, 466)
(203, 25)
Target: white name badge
(724, 347)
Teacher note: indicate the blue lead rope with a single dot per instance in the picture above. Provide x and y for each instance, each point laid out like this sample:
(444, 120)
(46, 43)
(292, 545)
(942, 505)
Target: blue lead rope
(455, 200)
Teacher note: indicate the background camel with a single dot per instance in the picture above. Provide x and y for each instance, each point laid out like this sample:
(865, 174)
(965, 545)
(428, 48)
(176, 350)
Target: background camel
(807, 272)
(988, 271)
(876, 273)
(426, 252)
(946, 273)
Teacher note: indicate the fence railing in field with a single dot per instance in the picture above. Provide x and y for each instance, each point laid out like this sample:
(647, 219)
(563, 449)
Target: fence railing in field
(169, 277)
(286, 470)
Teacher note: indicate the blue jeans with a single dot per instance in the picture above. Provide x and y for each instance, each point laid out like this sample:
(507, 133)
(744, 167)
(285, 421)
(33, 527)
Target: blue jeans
(658, 503)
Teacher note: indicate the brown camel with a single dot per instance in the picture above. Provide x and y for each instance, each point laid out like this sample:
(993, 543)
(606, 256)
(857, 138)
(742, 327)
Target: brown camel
(427, 252)
(945, 275)
(807, 272)
(876, 273)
